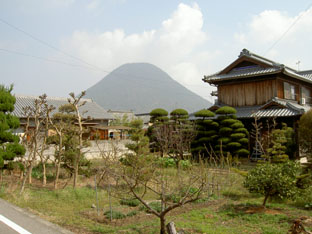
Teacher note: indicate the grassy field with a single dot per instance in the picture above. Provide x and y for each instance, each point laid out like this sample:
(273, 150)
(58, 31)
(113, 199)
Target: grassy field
(231, 210)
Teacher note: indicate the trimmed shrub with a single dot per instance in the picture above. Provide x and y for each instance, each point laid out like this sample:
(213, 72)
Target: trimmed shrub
(226, 110)
(204, 113)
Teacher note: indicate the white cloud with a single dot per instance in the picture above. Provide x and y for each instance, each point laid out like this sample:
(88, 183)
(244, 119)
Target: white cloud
(93, 5)
(265, 35)
(171, 47)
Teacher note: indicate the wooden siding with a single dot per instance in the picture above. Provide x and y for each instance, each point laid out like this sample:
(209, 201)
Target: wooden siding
(248, 93)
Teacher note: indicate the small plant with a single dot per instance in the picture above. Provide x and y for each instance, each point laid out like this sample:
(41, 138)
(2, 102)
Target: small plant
(154, 205)
(132, 213)
(115, 215)
(129, 202)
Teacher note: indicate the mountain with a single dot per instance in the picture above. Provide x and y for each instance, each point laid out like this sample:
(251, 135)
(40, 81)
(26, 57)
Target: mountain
(142, 87)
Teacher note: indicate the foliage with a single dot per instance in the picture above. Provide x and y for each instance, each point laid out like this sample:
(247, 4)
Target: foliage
(129, 202)
(158, 115)
(115, 215)
(273, 180)
(232, 135)
(204, 113)
(140, 142)
(305, 134)
(281, 145)
(226, 110)
(9, 143)
(206, 133)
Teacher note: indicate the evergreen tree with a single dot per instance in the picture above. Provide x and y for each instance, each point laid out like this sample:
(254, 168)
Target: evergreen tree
(281, 145)
(233, 136)
(9, 143)
(206, 133)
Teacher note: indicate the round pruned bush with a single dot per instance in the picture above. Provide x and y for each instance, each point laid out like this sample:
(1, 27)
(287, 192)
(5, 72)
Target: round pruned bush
(236, 136)
(228, 122)
(242, 152)
(225, 130)
(224, 140)
(204, 113)
(243, 141)
(225, 110)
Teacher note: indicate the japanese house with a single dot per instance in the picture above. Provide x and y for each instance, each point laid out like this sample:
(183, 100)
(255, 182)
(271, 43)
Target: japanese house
(257, 86)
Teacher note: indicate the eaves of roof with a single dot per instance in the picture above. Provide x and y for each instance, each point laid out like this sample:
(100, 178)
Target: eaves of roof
(273, 68)
(241, 74)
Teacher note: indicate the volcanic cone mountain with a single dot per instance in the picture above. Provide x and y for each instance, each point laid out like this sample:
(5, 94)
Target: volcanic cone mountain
(142, 87)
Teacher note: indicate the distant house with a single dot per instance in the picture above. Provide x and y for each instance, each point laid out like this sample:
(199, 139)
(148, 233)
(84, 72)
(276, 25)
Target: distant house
(92, 113)
(257, 86)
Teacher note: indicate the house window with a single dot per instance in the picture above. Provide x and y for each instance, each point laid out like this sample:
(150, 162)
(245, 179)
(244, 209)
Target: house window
(289, 91)
(306, 94)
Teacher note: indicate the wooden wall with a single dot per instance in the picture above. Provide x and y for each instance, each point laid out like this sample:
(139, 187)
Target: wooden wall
(248, 93)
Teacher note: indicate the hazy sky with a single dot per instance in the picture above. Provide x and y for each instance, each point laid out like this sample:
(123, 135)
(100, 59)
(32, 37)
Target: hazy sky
(59, 46)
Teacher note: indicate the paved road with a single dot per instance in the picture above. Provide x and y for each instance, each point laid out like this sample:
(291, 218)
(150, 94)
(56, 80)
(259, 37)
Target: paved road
(16, 220)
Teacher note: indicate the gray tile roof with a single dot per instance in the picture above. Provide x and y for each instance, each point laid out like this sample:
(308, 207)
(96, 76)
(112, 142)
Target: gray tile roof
(252, 71)
(255, 71)
(91, 109)
(286, 109)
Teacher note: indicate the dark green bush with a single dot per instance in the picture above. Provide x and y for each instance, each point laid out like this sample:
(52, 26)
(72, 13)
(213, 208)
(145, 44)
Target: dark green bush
(129, 202)
(235, 136)
(225, 110)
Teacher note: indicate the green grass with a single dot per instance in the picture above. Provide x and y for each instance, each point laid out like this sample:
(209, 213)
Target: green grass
(226, 213)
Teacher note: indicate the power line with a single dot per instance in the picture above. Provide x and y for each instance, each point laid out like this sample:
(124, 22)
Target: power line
(90, 66)
(288, 29)
(47, 44)
(45, 59)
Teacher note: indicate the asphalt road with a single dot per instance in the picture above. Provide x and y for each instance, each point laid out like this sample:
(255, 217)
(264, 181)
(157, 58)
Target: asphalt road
(16, 220)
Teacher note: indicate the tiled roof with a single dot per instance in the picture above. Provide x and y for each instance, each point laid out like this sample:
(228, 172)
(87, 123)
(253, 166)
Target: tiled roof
(89, 110)
(283, 108)
(255, 71)
(252, 71)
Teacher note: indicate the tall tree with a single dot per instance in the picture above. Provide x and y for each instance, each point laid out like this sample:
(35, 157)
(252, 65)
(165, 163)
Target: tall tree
(76, 102)
(9, 143)
(206, 136)
(233, 136)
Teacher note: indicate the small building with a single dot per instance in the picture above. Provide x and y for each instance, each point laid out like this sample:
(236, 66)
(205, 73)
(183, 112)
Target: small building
(257, 86)
(91, 112)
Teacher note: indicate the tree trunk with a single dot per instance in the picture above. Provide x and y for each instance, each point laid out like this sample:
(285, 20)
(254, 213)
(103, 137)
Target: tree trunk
(57, 174)
(44, 177)
(24, 179)
(265, 199)
(75, 175)
(162, 225)
(29, 173)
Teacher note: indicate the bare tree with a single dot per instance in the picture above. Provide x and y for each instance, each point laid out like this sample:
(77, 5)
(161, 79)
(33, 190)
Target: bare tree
(175, 138)
(75, 102)
(43, 141)
(143, 173)
(32, 136)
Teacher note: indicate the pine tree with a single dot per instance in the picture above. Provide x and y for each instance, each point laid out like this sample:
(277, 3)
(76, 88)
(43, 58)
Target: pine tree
(233, 136)
(9, 143)
(206, 133)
